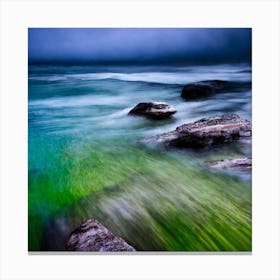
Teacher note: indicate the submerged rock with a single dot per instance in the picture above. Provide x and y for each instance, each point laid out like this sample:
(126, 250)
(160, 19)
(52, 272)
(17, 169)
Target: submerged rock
(154, 110)
(93, 236)
(241, 164)
(207, 132)
(202, 89)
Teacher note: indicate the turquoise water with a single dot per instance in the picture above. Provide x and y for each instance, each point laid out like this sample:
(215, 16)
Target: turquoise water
(85, 160)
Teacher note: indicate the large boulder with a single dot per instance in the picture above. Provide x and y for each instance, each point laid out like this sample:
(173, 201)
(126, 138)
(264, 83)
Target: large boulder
(207, 132)
(240, 164)
(154, 110)
(202, 89)
(93, 236)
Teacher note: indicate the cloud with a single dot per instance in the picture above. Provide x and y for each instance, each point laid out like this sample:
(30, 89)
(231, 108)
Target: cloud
(140, 45)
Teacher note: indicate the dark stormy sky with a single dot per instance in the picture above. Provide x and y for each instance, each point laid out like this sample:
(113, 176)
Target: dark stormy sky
(140, 45)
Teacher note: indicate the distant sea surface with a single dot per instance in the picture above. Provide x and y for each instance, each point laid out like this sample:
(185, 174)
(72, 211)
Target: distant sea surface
(85, 161)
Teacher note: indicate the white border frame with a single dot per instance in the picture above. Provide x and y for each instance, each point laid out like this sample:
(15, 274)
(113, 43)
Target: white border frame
(262, 16)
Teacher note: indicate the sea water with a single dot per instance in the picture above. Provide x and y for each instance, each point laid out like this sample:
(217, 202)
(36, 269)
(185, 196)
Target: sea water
(85, 159)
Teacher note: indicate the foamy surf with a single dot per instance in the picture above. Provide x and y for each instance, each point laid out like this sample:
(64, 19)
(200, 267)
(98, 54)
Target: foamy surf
(161, 77)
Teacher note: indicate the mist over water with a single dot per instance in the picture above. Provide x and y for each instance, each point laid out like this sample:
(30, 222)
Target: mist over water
(85, 160)
(102, 100)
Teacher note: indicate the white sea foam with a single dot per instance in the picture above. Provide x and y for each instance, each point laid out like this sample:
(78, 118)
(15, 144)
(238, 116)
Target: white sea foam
(173, 75)
(162, 77)
(49, 78)
(77, 101)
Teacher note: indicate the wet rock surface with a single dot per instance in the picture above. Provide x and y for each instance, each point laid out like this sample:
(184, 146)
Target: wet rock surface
(202, 89)
(240, 164)
(153, 110)
(206, 132)
(93, 236)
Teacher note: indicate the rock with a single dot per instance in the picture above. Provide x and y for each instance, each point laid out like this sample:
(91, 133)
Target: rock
(241, 164)
(154, 110)
(93, 236)
(202, 89)
(207, 132)
(196, 91)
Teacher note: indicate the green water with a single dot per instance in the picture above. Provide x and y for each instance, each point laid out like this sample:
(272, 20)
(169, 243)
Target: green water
(85, 161)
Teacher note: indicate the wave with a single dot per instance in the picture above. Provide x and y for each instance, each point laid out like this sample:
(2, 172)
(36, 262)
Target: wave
(48, 78)
(171, 75)
(78, 101)
(161, 77)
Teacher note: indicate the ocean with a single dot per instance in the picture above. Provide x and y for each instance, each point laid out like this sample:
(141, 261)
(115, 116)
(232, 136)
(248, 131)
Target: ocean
(85, 159)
